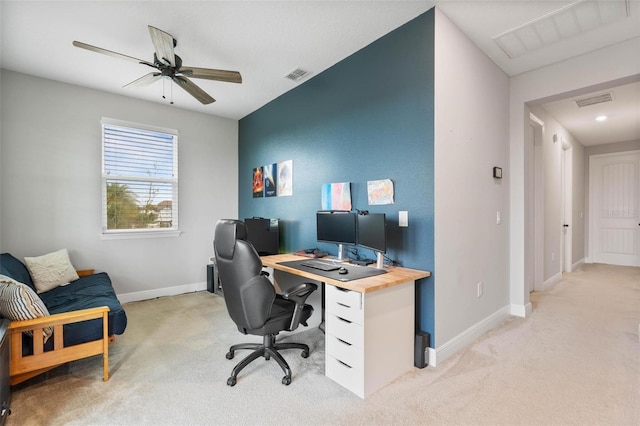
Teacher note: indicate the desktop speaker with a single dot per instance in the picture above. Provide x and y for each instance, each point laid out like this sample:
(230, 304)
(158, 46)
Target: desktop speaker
(422, 342)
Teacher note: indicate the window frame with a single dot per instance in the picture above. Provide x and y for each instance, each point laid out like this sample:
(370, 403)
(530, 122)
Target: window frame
(174, 230)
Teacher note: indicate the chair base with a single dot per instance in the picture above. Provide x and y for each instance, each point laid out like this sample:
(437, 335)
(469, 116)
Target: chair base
(269, 348)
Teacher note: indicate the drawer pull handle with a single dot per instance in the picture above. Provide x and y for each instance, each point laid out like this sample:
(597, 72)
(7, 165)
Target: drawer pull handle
(342, 341)
(342, 304)
(344, 290)
(343, 320)
(343, 363)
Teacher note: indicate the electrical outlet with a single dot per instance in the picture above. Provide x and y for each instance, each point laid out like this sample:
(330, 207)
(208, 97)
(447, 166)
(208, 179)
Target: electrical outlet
(480, 288)
(553, 256)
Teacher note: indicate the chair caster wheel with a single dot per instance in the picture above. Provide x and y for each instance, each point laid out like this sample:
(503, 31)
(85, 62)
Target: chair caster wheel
(305, 354)
(286, 380)
(231, 381)
(229, 355)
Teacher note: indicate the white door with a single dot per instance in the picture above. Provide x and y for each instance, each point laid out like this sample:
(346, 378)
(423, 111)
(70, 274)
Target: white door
(614, 232)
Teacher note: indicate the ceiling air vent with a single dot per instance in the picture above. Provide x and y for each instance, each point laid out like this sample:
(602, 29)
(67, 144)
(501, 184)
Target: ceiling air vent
(569, 21)
(592, 100)
(297, 74)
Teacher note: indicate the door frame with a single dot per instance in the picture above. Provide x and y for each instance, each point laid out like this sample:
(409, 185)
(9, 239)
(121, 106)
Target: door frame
(567, 207)
(534, 245)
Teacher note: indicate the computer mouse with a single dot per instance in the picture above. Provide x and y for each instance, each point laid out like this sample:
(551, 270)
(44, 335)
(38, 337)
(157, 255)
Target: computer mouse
(343, 271)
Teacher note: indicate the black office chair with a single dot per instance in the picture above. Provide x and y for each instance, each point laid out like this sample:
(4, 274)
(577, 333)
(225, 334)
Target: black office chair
(252, 301)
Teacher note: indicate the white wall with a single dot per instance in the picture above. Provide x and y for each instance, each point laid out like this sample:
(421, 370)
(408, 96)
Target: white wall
(471, 137)
(611, 148)
(603, 66)
(553, 180)
(51, 183)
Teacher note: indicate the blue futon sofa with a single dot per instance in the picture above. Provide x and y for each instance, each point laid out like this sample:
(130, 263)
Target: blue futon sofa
(90, 291)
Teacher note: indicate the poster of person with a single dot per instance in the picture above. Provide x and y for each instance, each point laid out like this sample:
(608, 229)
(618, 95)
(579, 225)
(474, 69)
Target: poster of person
(285, 178)
(258, 183)
(270, 172)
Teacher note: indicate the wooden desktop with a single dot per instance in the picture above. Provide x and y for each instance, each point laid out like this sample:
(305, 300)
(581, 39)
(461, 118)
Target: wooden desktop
(370, 322)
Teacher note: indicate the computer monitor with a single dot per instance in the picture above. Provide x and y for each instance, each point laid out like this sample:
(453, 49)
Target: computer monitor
(338, 227)
(264, 235)
(372, 234)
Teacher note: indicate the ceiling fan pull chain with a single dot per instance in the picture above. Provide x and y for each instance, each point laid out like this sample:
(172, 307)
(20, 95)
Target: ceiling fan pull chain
(163, 82)
(171, 86)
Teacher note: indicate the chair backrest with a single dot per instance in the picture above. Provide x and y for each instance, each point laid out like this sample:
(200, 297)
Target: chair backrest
(247, 292)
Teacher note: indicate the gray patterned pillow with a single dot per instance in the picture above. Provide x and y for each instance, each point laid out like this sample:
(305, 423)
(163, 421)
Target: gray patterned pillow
(18, 302)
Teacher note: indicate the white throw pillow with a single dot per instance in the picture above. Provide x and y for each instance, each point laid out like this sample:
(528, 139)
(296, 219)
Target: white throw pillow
(18, 302)
(51, 270)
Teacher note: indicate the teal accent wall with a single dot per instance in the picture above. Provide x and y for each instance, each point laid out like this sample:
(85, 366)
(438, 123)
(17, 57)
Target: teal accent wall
(368, 117)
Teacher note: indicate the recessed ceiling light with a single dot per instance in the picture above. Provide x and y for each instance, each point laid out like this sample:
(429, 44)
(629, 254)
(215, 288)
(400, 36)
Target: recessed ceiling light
(601, 118)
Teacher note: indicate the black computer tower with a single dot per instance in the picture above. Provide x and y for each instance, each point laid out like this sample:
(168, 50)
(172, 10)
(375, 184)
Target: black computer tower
(264, 235)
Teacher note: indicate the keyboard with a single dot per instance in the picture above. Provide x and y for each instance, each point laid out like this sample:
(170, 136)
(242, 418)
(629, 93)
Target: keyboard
(318, 264)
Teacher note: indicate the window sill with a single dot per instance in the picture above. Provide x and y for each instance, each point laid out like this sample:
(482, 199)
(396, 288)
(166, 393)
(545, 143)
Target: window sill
(127, 235)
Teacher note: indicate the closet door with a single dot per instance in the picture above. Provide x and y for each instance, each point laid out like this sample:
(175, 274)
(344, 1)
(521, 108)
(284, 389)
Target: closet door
(614, 182)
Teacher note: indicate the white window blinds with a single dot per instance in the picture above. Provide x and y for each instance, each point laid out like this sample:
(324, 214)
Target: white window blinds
(140, 178)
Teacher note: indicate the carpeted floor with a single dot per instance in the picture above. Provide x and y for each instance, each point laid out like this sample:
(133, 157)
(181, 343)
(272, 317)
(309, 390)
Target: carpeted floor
(574, 361)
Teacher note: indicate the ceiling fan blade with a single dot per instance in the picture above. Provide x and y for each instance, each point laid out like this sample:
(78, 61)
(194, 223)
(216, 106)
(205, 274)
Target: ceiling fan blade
(109, 52)
(163, 43)
(195, 91)
(145, 80)
(212, 74)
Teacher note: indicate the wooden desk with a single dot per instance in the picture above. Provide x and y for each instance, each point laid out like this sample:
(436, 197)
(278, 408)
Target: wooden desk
(370, 325)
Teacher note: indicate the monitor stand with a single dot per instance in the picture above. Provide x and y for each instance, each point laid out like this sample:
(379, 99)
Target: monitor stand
(379, 260)
(340, 252)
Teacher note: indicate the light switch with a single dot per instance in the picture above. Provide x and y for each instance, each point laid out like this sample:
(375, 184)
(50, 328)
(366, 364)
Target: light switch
(498, 217)
(403, 218)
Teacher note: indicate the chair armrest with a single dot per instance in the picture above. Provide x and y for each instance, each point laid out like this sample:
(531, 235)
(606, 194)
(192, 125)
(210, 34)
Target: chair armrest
(300, 292)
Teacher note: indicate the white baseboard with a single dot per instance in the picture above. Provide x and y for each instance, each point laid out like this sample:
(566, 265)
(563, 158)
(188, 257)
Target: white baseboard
(551, 281)
(521, 310)
(578, 264)
(465, 338)
(161, 292)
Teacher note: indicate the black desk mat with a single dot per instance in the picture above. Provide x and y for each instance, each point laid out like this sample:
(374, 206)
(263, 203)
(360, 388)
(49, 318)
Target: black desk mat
(356, 272)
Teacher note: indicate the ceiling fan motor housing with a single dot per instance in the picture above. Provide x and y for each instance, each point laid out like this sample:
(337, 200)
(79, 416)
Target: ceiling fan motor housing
(165, 67)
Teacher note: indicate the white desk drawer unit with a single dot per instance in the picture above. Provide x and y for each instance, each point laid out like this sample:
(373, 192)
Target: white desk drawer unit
(344, 338)
(369, 336)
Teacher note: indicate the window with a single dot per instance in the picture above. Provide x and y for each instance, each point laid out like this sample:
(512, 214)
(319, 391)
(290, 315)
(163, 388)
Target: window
(139, 179)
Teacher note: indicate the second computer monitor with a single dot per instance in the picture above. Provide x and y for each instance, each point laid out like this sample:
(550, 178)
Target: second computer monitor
(372, 231)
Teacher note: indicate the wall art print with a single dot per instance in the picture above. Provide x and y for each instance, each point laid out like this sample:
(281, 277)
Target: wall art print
(336, 196)
(273, 180)
(380, 192)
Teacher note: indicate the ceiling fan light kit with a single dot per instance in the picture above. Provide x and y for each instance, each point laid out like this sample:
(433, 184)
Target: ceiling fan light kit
(169, 66)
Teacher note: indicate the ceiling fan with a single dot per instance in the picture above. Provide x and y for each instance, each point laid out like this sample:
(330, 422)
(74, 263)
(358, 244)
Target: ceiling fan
(169, 65)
